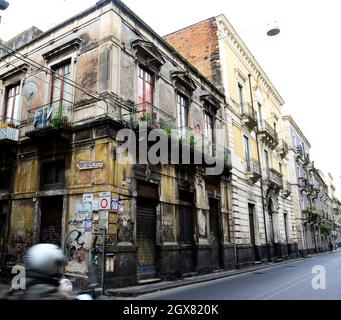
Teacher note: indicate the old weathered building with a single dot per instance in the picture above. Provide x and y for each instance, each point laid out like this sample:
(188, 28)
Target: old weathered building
(65, 96)
(312, 195)
(262, 207)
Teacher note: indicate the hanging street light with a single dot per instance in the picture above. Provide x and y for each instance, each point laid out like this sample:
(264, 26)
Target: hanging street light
(273, 30)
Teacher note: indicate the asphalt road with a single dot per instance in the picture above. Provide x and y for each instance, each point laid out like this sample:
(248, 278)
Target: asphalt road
(291, 281)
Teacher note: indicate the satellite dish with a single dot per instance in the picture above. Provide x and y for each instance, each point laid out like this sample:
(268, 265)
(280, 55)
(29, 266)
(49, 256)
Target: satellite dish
(273, 30)
(30, 90)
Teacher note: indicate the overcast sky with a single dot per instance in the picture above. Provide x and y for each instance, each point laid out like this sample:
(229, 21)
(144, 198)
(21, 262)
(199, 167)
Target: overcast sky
(303, 62)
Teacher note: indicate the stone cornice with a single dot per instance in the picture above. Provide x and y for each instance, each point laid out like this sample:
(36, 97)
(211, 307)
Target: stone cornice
(227, 32)
(297, 128)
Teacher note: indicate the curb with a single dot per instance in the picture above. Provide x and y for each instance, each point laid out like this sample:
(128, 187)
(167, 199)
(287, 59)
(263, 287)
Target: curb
(137, 291)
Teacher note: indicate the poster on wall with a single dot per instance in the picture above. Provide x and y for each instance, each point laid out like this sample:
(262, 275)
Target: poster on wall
(95, 205)
(104, 220)
(121, 207)
(114, 205)
(83, 208)
(88, 197)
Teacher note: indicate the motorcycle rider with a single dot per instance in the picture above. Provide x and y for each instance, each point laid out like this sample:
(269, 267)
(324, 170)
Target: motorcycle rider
(44, 263)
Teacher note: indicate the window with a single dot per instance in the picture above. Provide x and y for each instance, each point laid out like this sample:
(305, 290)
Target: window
(247, 153)
(145, 91)
(53, 174)
(61, 95)
(60, 100)
(260, 113)
(267, 163)
(12, 111)
(280, 166)
(182, 109)
(209, 133)
(241, 97)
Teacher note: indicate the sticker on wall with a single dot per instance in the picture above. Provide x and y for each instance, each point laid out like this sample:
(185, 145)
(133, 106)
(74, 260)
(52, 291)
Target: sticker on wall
(95, 205)
(104, 220)
(121, 207)
(114, 205)
(88, 224)
(83, 208)
(88, 197)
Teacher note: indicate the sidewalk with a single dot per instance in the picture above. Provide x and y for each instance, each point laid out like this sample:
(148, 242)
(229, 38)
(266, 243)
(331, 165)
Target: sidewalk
(133, 292)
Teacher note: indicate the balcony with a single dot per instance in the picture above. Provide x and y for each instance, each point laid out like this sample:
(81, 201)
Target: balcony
(248, 117)
(310, 215)
(287, 190)
(274, 179)
(283, 149)
(268, 135)
(299, 153)
(227, 159)
(146, 115)
(306, 159)
(252, 170)
(50, 120)
(9, 132)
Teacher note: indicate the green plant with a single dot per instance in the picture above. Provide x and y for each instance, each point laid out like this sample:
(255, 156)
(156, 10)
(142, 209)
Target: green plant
(165, 126)
(313, 216)
(326, 229)
(192, 141)
(56, 121)
(146, 118)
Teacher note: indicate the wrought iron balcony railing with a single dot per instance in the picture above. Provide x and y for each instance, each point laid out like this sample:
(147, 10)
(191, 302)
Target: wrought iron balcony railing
(268, 134)
(9, 130)
(252, 169)
(283, 149)
(146, 114)
(275, 178)
(55, 115)
(299, 152)
(248, 116)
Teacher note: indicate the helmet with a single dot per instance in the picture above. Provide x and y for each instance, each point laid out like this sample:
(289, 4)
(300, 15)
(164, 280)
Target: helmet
(45, 259)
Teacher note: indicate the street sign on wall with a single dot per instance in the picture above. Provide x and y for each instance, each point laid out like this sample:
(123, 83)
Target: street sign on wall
(105, 201)
(103, 220)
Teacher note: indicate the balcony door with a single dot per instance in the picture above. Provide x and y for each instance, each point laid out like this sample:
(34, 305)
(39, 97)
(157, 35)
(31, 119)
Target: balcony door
(12, 112)
(182, 114)
(247, 153)
(61, 95)
(145, 92)
(208, 143)
(271, 222)
(267, 163)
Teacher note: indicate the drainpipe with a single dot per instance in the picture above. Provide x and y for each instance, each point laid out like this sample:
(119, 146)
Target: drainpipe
(261, 172)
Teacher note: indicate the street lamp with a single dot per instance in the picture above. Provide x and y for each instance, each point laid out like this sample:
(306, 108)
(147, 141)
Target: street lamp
(3, 5)
(273, 30)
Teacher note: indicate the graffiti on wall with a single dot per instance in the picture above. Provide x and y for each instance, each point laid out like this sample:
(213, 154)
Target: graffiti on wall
(74, 247)
(19, 244)
(202, 220)
(125, 229)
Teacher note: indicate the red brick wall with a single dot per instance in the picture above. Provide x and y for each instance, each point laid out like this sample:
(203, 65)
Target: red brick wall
(199, 45)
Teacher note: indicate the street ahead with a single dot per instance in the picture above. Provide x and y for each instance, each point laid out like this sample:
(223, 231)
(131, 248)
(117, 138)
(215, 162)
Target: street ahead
(292, 281)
